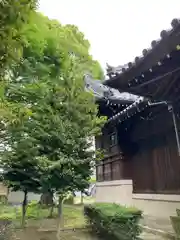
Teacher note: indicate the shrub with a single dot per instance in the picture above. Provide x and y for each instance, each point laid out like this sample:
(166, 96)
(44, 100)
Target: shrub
(5, 230)
(113, 220)
(34, 210)
(69, 200)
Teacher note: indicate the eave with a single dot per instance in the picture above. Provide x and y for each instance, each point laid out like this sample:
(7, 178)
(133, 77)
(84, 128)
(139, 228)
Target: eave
(153, 69)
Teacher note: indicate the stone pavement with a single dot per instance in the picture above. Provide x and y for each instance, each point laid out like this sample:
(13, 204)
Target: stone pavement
(150, 236)
(163, 224)
(156, 228)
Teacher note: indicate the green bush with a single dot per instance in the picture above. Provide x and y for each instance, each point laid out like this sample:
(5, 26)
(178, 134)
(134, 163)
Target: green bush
(69, 200)
(113, 220)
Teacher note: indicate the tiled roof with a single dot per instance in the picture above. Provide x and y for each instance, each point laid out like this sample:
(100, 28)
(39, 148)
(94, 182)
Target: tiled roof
(138, 106)
(101, 91)
(159, 49)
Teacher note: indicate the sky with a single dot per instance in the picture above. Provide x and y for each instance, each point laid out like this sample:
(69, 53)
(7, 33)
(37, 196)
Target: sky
(117, 30)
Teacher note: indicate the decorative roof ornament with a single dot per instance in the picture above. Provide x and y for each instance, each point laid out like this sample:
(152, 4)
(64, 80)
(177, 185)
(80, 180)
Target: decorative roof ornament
(101, 91)
(175, 22)
(116, 70)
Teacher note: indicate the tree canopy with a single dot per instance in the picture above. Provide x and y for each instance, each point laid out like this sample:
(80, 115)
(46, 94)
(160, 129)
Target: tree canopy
(12, 18)
(47, 144)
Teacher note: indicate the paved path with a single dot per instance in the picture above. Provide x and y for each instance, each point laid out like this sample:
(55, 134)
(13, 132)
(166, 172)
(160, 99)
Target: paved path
(157, 223)
(150, 236)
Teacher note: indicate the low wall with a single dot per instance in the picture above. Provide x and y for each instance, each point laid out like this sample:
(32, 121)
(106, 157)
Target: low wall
(120, 191)
(3, 190)
(17, 197)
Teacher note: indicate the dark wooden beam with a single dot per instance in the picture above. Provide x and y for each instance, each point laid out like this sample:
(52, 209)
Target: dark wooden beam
(147, 88)
(169, 85)
(158, 78)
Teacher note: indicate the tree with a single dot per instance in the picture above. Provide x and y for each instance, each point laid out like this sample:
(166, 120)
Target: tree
(62, 106)
(13, 16)
(22, 174)
(22, 169)
(55, 115)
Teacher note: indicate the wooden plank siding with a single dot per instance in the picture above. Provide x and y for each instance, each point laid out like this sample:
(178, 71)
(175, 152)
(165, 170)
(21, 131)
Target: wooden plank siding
(155, 168)
(112, 169)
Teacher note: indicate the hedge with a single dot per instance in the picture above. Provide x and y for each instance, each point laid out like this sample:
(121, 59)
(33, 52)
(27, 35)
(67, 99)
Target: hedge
(112, 220)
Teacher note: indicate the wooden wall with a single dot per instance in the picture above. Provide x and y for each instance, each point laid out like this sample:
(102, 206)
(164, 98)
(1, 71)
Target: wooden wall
(115, 168)
(155, 168)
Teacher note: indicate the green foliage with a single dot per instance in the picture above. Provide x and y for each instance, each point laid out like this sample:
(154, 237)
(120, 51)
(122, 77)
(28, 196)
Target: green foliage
(93, 180)
(34, 211)
(52, 114)
(113, 220)
(49, 47)
(69, 199)
(21, 170)
(14, 14)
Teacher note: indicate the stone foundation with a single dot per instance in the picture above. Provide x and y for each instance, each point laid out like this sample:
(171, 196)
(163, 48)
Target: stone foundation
(159, 205)
(120, 191)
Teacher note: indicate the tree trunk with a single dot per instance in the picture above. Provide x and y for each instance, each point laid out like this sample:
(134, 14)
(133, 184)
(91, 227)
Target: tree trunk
(81, 198)
(24, 207)
(60, 213)
(60, 207)
(51, 195)
(51, 211)
(46, 199)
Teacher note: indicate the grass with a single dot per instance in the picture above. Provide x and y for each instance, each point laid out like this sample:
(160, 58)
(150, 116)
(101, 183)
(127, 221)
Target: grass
(39, 226)
(86, 200)
(37, 217)
(73, 215)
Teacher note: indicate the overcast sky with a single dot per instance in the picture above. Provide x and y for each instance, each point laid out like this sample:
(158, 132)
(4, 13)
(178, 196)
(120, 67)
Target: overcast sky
(117, 30)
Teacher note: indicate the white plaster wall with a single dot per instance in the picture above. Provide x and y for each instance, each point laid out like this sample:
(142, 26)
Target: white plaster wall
(17, 197)
(119, 191)
(3, 190)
